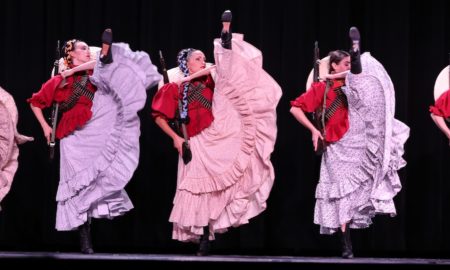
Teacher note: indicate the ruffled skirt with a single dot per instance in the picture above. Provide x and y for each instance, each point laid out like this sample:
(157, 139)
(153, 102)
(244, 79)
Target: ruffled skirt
(98, 160)
(358, 176)
(9, 140)
(230, 176)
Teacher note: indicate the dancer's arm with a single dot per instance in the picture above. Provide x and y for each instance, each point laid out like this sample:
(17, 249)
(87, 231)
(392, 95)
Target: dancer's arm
(203, 72)
(40, 117)
(301, 117)
(440, 122)
(334, 76)
(85, 66)
(177, 140)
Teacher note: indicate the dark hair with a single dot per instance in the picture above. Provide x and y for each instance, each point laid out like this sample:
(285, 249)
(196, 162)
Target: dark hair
(336, 57)
(182, 59)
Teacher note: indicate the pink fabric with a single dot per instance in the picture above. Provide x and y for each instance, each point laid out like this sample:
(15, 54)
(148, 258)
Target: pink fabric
(9, 138)
(230, 176)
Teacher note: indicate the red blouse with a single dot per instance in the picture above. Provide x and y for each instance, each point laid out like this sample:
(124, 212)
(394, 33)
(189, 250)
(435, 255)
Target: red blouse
(312, 99)
(442, 105)
(72, 119)
(165, 104)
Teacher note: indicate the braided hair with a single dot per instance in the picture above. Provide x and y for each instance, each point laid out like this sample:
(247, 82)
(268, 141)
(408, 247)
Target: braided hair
(182, 58)
(68, 47)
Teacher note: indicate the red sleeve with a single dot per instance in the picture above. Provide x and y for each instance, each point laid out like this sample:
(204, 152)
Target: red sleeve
(311, 99)
(442, 105)
(165, 102)
(45, 96)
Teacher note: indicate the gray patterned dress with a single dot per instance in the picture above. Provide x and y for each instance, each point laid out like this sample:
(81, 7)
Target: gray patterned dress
(358, 175)
(99, 159)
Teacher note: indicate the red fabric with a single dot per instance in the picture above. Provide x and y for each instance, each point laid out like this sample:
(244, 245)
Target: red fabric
(312, 99)
(73, 118)
(165, 105)
(442, 105)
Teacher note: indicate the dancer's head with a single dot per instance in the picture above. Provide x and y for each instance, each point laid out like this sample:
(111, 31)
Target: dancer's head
(339, 61)
(191, 60)
(76, 52)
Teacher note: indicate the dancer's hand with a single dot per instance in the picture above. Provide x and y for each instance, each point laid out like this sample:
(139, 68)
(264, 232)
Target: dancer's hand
(316, 135)
(66, 73)
(178, 144)
(47, 132)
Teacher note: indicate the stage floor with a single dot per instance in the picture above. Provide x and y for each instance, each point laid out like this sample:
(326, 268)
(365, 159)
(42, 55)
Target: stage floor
(213, 261)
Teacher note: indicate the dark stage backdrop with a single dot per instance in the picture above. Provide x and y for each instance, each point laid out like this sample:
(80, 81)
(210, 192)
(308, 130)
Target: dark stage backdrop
(412, 41)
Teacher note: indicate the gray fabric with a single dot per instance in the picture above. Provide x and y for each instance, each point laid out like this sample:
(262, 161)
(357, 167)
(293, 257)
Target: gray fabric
(358, 176)
(98, 160)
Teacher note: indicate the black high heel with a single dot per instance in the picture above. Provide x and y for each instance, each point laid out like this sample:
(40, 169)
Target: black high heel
(346, 242)
(227, 16)
(204, 245)
(106, 53)
(355, 37)
(85, 238)
(355, 54)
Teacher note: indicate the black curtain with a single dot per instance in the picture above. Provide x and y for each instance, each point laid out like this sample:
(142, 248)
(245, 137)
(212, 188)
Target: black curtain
(410, 39)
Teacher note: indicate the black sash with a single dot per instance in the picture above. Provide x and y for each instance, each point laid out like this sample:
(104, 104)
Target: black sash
(79, 89)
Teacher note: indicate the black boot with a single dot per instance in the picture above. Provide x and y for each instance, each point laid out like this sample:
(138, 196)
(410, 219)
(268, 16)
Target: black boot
(226, 36)
(106, 52)
(204, 245)
(346, 242)
(85, 238)
(355, 54)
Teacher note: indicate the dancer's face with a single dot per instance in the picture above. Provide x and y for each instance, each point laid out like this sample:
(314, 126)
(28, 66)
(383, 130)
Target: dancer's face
(80, 54)
(342, 66)
(196, 62)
